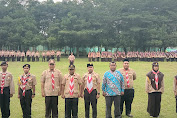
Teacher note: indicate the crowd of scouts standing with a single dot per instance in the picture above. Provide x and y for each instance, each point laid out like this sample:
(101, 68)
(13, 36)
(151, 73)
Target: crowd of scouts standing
(103, 56)
(117, 87)
(106, 56)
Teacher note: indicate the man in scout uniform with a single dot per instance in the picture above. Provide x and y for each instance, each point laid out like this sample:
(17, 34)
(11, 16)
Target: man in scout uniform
(175, 89)
(37, 55)
(7, 90)
(71, 90)
(58, 55)
(52, 54)
(91, 87)
(33, 56)
(43, 56)
(23, 56)
(71, 58)
(154, 88)
(50, 87)
(98, 56)
(93, 56)
(26, 90)
(129, 76)
(113, 88)
(48, 54)
(28, 54)
(89, 56)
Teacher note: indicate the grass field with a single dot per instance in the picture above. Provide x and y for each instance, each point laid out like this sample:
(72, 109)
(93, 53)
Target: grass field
(139, 105)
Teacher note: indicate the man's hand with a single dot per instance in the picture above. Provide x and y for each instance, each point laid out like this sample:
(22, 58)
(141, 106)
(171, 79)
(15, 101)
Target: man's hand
(122, 93)
(43, 94)
(104, 94)
(98, 96)
(63, 96)
(59, 93)
(19, 96)
(11, 95)
(33, 96)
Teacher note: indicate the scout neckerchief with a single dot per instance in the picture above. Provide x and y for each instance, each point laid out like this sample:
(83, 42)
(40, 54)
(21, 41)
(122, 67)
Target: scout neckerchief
(53, 81)
(3, 82)
(127, 78)
(71, 85)
(24, 79)
(89, 84)
(156, 78)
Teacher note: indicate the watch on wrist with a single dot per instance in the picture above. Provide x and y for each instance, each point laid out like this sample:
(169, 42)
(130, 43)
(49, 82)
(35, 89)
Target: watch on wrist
(33, 94)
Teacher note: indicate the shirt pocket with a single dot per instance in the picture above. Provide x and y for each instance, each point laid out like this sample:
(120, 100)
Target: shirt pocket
(7, 81)
(30, 82)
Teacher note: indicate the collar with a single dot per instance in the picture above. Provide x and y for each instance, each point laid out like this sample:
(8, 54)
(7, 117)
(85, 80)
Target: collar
(51, 71)
(71, 75)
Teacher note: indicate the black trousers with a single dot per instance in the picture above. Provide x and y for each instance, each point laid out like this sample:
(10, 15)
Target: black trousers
(89, 59)
(51, 105)
(5, 102)
(128, 99)
(109, 101)
(71, 106)
(90, 98)
(33, 58)
(28, 58)
(154, 100)
(71, 62)
(98, 58)
(25, 102)
(48, 58)
(52, 57)
(58, 58)
(43, 58)
(23, 58)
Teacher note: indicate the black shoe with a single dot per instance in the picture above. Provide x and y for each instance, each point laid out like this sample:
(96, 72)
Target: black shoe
(129, 115)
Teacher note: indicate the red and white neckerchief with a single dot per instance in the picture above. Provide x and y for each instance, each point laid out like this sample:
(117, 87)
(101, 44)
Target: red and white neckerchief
(127, 78)
(24, 81)
(89, 84)
(53, 81)
(71, 85)
(3, 82)
(156, 78)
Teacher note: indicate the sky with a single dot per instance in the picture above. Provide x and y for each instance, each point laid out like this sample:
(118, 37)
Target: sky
(53, 0)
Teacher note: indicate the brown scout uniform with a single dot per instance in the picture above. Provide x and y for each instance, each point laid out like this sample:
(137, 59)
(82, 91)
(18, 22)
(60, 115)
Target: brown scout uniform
(91, 97)
(129, 90)
(26, 100)
(77, 82)
(46, 79)
(51, 95)
(154, 94)
(5, 96)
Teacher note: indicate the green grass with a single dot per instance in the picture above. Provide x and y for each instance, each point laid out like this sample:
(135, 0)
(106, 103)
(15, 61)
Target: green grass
(139, 105)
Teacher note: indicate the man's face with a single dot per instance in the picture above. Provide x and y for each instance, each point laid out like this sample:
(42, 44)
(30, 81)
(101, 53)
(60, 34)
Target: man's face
(71, 71)
(112, 66)
(90, 69)
(4, 66)
(126, 65)
(51, 66)
(26, 69)
(156, 68)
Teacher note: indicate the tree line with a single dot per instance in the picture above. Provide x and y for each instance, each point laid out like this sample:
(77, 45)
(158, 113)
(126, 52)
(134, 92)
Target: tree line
(133, 25)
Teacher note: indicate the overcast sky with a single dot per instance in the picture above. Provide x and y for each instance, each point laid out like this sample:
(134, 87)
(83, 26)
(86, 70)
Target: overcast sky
(53, 0)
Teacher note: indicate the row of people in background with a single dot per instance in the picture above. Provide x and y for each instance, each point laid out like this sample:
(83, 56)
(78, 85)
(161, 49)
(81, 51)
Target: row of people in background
(117, 87)
(132, 56)
(30, 55)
